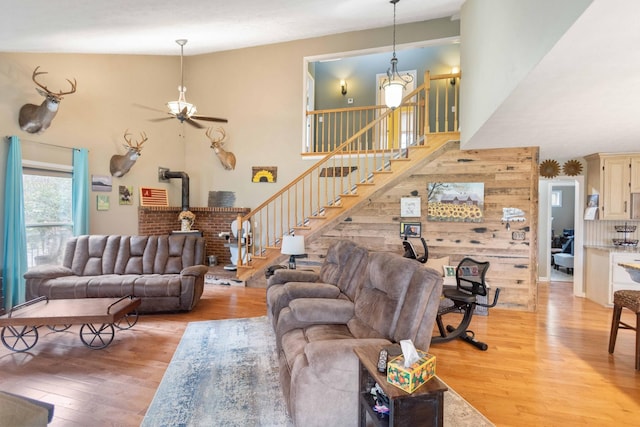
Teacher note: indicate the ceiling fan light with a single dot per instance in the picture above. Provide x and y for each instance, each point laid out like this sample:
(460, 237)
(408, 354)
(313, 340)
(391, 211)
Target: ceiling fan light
(177, 107)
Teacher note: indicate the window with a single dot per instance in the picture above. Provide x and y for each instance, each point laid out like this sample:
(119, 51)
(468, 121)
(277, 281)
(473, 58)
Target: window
(48, 218)
(556, 199)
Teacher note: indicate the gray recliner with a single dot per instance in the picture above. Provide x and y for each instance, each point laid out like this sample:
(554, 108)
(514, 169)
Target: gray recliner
(340, 276)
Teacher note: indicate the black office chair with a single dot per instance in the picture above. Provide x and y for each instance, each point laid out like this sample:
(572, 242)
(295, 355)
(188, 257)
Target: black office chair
(410, 251)
(462, 298)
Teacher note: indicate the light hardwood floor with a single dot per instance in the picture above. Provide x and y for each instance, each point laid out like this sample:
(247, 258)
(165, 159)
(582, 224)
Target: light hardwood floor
(549, 368)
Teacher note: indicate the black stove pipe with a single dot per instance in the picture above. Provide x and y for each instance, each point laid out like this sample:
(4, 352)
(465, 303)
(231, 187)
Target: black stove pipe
(185, 186)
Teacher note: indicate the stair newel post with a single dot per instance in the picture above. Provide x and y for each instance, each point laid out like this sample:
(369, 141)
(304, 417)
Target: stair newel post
(239, 233)
(427, 88)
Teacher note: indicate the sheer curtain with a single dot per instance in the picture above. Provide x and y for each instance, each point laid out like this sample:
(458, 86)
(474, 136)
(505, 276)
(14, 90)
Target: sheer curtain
(80, 191)
(15, 235)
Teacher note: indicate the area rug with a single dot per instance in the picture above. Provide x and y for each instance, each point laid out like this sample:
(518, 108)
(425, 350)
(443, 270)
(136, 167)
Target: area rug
(225, 373)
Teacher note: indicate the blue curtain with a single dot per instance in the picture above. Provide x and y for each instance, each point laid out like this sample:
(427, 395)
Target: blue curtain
(80, 191)
(15, 236)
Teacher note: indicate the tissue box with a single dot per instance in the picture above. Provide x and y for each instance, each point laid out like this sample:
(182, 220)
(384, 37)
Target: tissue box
(409, 379)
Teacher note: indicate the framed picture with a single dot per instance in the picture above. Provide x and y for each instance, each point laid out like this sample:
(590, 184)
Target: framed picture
(410, 207)
(102, 202)
(410, 229)
(101, 183)
(154, 196)
(125, 194)
(264, 173)
(455, 201)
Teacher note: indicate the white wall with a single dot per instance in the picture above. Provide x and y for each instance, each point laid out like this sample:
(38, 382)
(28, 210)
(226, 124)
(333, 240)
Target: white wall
(501, 41)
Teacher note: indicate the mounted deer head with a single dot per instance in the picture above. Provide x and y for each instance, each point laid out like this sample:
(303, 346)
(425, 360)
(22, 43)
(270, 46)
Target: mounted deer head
(120, 164)
(37, 118)
(227, 158)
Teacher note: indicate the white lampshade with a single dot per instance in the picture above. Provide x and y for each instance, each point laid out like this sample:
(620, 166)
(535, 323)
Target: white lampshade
(393, 93)
(292, 245)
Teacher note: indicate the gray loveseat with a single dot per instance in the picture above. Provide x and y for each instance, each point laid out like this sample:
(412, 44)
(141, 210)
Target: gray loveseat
(166, 272)
(397, 298)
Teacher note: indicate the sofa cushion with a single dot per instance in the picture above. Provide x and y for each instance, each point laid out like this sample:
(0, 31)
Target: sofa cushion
(384, 289)
(157, 285)
(110, 285)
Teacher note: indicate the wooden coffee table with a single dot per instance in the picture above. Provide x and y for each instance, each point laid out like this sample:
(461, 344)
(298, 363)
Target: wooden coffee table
(97, 315)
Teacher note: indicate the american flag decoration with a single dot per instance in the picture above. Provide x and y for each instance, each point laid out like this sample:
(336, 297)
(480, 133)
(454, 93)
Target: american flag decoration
(153, 197)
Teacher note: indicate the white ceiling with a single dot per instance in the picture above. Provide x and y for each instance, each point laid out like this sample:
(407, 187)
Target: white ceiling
(583, 97)
(152, 26)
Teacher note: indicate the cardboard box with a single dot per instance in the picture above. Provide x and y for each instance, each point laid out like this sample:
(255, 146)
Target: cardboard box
(409, 379)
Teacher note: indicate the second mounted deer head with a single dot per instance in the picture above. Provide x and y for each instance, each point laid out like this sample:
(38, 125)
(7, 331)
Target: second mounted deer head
(227, 158)
(37, 118)
(120, 164)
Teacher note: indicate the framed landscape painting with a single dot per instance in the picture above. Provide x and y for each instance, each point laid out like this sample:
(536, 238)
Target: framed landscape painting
(455, 202)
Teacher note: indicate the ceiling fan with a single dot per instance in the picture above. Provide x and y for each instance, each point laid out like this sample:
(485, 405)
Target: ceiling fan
(181, 109)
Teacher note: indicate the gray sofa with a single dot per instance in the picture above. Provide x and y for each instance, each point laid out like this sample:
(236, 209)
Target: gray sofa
(166, 272)
(397, 298)
(340, 276)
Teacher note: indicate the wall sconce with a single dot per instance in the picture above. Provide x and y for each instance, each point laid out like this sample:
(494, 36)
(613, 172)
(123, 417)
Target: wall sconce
(454, 70)
(343, 87)
(293, 246)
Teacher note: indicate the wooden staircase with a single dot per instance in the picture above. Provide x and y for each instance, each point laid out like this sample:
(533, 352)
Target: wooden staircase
(363, 165)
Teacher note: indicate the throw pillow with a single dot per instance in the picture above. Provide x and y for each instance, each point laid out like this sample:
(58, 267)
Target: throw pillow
(437, 263)
(449, 270)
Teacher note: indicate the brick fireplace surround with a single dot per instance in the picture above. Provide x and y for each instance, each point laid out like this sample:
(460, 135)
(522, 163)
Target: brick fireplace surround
(153, 221)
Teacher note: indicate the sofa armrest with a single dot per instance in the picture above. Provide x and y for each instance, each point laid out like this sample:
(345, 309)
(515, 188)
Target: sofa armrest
(322, 310)
(334, 361)
(194, 270)
(47, 272)
(283, 275)
(297, 290)
(304, 312)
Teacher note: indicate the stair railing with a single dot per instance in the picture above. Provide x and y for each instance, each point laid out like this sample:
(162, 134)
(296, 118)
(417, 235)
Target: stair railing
(367, 149)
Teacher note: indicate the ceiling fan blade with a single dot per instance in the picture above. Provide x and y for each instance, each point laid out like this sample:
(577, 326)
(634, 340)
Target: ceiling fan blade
(161, 118)
(210, 119)
(194, 124)
(151, 108)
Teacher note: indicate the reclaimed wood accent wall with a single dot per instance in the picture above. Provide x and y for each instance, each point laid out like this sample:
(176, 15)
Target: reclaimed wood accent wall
(510, 178)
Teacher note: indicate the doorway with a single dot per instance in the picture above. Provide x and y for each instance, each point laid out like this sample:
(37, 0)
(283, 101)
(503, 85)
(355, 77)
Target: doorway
(548, 191)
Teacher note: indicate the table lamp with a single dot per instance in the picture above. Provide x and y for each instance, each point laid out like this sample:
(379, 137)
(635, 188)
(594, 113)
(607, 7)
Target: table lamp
(292, 245)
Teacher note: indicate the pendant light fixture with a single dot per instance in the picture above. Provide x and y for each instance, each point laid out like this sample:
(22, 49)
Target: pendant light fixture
(394, 84)
(181, 105)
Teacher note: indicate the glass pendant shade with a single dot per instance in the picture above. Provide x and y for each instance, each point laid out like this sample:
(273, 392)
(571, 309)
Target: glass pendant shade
(393, 94)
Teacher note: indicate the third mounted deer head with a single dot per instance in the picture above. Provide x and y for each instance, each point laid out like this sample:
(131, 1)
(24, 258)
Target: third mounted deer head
(120, 164)
(37, 118)
(227, 158)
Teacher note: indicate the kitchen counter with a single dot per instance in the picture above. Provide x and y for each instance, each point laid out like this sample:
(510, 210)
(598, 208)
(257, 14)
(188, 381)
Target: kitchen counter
(609, 269)
(613, 248)
(633, 269)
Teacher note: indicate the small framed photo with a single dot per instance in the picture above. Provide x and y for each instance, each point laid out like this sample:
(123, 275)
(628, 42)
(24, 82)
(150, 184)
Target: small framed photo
(125, 194)
(102, 201)
(410, 207)
(410, 229)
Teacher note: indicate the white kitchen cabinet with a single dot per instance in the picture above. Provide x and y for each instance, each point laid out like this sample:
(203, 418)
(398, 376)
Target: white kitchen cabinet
(614, 177)
(603, 275)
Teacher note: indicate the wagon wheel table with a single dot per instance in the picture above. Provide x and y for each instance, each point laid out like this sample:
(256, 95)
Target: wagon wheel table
(97, 315)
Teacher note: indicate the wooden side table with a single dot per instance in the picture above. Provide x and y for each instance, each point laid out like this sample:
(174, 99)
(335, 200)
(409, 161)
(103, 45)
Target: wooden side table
(423, 407)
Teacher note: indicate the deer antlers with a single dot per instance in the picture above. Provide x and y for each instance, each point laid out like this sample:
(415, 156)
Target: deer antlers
(138, 146)
(216, 142)
(36, 73)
